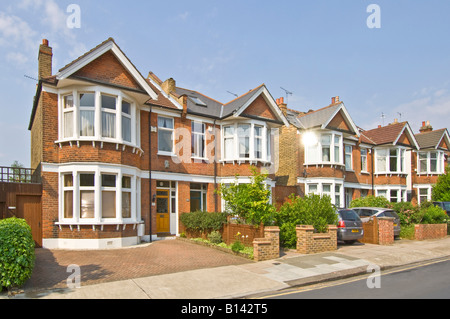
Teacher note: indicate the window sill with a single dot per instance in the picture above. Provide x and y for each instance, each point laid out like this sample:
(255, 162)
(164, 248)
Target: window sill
(322, 164)
(243, 161)
(120, 145)
(162, 153)
(99, 225)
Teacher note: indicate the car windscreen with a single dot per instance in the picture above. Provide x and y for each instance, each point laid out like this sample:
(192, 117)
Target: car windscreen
(390, 213)
(348, 215)
(446, 205)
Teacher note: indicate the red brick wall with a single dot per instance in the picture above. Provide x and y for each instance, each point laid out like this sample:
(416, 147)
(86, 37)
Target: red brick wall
(108, 69)
(431, 231)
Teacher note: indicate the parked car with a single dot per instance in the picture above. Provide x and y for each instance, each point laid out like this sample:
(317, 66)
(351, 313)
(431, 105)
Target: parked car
(444, 205)
(366, 213)
(350, 226)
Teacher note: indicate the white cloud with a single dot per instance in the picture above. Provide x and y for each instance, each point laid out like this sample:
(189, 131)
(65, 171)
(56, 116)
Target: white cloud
(430, 104)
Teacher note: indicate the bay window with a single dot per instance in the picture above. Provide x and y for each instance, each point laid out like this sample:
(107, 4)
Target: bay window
(392, 194)
(323, 148)
(390, 160)
(92, 194)
(330, 187)
(246, 141)
(99, 115)
(430, 162)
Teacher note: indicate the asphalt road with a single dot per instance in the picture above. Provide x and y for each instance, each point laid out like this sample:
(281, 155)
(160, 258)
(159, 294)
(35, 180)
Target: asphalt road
(427, 281)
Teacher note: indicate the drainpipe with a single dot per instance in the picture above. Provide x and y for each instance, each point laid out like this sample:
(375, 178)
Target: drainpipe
(150, 198)
(373, 173)
(215, 167)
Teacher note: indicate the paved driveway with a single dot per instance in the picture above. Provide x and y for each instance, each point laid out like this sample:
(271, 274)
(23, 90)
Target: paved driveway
(161, 257)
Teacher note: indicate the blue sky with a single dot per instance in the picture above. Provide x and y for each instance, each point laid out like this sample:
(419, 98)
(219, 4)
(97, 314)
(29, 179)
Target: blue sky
(315, 49)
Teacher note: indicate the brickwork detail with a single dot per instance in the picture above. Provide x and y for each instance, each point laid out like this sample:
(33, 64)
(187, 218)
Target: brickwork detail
(430, 231)
(379, 231)
(267, 248)
(309, 242)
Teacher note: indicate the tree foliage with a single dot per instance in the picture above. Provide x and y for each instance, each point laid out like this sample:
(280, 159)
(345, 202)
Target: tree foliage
(441, 191)
(249, 201)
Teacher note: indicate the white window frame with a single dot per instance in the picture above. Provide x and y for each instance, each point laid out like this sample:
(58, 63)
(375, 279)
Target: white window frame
(98, 91)
(67, 110)
(348, 157)
(401, 193)
(200, 137)
(98, 171)
(265, 139)
(428, 189)
(314, 153)
(172, 131)
(439, 163)
(364, 159)
(400, 160)
(333, 184)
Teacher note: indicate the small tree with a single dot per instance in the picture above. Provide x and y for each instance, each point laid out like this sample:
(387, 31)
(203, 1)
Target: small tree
(371, 201)
(249, 201)
(441, 191)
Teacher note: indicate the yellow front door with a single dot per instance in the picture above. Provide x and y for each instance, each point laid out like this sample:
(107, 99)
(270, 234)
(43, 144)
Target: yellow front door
(162, 211)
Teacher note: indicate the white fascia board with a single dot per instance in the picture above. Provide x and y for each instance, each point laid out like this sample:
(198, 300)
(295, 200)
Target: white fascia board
(411, 135)
(122, 58)
(347, 116)
(269, 99)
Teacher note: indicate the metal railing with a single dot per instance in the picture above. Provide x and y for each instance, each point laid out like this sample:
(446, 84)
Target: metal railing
(17, 175)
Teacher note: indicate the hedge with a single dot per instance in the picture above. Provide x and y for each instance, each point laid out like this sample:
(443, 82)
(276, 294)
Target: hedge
(17, 255)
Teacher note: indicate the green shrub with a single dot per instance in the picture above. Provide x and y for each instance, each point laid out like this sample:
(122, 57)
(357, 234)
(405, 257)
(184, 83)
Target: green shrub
(249, 201)
(371, 201)
(17, 254)
(215, 237)
(203, 221)
(433, 215)
(237, 246)
(312, 210)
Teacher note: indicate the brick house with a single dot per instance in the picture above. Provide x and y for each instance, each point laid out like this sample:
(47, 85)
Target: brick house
(324, 152)
(121, 156)
(428, 162)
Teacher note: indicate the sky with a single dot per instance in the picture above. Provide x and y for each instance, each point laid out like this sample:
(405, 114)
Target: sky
(384, 64)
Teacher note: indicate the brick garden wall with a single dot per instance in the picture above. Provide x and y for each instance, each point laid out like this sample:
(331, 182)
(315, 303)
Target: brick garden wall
(430, 231)
(379, 231)
(309, 242)
(267, 248)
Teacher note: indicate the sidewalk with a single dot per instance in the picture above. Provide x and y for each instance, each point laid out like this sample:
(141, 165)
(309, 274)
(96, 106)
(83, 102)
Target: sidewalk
(250, 278)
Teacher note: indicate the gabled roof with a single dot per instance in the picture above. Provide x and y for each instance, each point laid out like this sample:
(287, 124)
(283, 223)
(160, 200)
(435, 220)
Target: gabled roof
(433, 139)
(392, 134)
(322, 118)
(200, 104)
(107, 46)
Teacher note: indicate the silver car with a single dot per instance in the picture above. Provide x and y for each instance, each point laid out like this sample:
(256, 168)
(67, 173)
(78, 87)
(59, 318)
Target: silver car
(350, 227)
(365, 213)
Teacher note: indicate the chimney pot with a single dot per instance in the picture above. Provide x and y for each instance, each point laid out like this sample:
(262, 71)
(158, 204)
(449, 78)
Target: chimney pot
(333, 100)
(423, 123)
(278, 101)
(45, 42)
(282, 100)
(379, 126)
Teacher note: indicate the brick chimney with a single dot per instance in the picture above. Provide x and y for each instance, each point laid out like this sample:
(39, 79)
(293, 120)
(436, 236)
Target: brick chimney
(335, 100)
(45, 60)
(282, 105)
(169, 86)
(426, 127)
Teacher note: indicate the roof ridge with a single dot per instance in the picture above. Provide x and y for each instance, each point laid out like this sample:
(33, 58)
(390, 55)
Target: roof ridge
(241, 96)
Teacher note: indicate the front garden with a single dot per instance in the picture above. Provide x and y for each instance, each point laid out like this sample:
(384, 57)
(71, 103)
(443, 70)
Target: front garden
(248, 207)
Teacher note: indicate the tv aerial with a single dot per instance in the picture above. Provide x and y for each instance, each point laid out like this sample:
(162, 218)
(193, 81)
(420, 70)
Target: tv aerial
(287, 94)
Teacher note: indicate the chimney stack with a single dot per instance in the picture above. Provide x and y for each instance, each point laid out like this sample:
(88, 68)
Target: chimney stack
(426, 127)
(335, 100)
(169, 86)
(45, 57)
(282, 105)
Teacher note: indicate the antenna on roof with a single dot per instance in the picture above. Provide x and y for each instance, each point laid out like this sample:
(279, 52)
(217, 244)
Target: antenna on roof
(383, 117)
(400, 114)
(287, 94)
(31, 78)
(233, 94)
